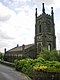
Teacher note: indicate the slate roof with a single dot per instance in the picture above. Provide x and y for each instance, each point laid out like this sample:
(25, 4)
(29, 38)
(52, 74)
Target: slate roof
(19, 48)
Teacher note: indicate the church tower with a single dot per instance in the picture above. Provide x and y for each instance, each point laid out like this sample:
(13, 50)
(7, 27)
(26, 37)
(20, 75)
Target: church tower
(44, 31)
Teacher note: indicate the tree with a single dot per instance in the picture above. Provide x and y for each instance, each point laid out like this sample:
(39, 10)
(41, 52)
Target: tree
(45, 54)
(1, 55)
(54, 55)
(49, 55)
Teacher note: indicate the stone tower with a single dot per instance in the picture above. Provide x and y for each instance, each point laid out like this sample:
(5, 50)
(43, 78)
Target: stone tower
(44, 31)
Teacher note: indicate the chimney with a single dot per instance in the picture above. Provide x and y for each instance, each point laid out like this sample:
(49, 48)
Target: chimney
(23, 46)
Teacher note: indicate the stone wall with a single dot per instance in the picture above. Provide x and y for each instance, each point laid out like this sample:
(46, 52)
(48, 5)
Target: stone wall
(46, 76)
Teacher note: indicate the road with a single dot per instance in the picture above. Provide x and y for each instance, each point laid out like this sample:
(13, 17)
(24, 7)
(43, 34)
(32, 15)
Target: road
(7, 73)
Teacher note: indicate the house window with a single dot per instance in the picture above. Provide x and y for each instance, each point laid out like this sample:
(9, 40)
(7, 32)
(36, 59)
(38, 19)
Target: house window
(39, 28)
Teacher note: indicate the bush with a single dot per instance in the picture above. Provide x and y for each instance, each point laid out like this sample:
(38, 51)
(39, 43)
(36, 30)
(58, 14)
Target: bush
(57, 65)
(45, 54)
(25, 66)
(1, 55)
(49, 55)
(45, 61)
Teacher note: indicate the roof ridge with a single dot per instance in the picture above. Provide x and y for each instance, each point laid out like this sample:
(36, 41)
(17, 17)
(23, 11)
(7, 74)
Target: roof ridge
(19, 47)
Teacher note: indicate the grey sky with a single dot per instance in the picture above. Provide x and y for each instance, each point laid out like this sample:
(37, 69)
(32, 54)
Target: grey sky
(17, 21)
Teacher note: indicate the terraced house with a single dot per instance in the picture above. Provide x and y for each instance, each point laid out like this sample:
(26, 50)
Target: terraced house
(44, 38)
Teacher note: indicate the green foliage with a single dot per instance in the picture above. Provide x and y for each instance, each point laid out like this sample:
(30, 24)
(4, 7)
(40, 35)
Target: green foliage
(49, 55)
(57, 65)
(1, 55)
(30, 66)
(54, 55)
(45, 61)
(45, 54)
(25, 66)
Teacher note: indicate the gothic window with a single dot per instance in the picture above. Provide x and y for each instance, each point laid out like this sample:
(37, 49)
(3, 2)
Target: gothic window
(39, 47)
(49, 47)
(39, 28)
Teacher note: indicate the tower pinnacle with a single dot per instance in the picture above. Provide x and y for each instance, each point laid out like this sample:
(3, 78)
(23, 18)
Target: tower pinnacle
(36, 15)
(43, 9)
(52, 14)
(36, 12)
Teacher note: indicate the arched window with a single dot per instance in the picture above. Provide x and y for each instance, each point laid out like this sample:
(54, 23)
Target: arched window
(49, 47)
(39, 28)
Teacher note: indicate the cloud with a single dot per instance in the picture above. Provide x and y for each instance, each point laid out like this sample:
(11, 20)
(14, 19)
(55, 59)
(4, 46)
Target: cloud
(47, 2)
(57, 31)
(5, 18)
(20, 0)
(3, 35)
(3, 45)
(5, 13)
(12, 4)
(57, 4)
(4, 10)
(16, 28)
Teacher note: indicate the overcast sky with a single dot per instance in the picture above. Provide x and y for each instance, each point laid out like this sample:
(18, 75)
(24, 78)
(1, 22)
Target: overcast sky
(17, 21)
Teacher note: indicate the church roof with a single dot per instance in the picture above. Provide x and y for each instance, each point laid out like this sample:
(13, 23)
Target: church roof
(20, 48)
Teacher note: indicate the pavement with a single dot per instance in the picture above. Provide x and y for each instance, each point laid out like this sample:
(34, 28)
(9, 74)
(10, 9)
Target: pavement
(8, 73)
